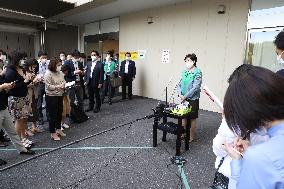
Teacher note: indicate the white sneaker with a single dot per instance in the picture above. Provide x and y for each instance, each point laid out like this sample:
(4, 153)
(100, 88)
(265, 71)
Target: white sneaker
(65, 126)
(27, 141)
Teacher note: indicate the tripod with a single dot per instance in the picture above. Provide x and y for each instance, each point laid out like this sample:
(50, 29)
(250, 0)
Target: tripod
(180, 162)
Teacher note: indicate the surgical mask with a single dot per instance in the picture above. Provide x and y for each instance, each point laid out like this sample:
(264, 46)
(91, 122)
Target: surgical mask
(94, 58)
(189, 64)
(62, 58)
(127, 58)
(279, 58)
(76, 60)
(107, 58)
(44, 60)
(22, 63)
(3, 57)
(58, 69)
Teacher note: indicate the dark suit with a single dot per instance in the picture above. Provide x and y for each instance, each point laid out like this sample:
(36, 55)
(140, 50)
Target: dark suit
(127, 78)
(77, 91)
(93, 83)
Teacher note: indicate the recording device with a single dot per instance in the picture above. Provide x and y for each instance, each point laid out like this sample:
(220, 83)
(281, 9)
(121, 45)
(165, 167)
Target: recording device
(70, 84)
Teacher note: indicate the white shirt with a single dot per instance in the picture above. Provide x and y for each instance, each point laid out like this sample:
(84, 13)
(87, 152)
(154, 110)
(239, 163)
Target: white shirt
(126, 67)
(92, 68)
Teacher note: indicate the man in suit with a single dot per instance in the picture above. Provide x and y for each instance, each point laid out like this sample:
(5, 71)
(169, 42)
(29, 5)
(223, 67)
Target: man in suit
(75, 73)
(94, 79)
(127, 73)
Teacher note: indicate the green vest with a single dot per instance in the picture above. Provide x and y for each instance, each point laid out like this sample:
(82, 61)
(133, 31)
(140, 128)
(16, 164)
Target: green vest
(112, 67)
(186, 78)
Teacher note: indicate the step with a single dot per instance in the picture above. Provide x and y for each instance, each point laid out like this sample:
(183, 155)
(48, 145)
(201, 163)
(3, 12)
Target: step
(169, 127)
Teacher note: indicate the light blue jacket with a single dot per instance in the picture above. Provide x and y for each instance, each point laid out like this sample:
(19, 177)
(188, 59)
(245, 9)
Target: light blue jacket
(262, 166)
(193, 86)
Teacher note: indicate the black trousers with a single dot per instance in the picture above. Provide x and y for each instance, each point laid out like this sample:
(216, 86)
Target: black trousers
(108, 89)
(54, 103)
(126, 81)
(41, 93)
(76, 93)
(94, 91)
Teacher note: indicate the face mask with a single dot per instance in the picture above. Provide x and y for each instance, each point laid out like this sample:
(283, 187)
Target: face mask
(127, 58)
(3, 57)
(94, 58)
(279, 58)
(189, 64)
(62, 58)
(44, 60)
(58, 69)
(22, 63)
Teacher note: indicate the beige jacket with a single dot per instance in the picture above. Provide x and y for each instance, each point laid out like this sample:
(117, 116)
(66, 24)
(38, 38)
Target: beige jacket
(52, 80)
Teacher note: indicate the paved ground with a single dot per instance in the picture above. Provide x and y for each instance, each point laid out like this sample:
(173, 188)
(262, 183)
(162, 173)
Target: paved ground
(129, 161)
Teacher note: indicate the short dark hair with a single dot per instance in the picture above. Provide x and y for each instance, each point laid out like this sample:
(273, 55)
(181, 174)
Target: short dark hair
(1, 51)
(96, 52)
(41, 53)
(253, 98)
(83, 55)
(192, 57)
(64, 68)
(31, 62)
(15, 57)
(279, 40)
(76, 53)
(128, 54)
(53, 64)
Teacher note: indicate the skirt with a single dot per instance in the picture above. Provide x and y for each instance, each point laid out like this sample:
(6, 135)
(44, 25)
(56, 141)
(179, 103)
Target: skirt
(19, 107)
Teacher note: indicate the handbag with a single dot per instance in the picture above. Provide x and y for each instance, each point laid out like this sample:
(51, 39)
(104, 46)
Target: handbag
(116, 82)
(220, 180)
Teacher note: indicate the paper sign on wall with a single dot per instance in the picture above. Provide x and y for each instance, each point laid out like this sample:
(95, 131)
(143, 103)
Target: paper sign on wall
(141, 54)
(166, 56)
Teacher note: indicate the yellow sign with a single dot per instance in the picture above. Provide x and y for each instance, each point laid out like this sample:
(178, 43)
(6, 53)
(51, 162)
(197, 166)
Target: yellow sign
(134, 55)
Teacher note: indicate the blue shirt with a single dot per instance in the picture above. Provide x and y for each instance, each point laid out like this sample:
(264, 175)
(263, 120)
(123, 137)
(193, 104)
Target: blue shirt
(262, 166)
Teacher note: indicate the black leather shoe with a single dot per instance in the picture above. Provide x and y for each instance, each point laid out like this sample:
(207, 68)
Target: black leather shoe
(2, 162)
(2, 144)
(28, 152)
(89, 109)
(4, 139)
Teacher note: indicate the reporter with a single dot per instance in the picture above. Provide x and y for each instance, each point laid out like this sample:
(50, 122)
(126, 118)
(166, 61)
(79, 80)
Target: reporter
(18, 96)
(55, 85)
(6, 121)
(254, 99)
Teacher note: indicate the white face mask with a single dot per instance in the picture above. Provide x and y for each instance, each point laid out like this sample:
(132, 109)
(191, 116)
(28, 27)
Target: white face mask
(94, 58)
(127, 58)
(44, 60)
(22, 63)
(189, 64)
(108, 58)
(279, 58)
(62, 58)
(3, 57)
(58, 69)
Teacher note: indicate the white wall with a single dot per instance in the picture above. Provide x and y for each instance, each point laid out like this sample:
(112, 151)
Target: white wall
(218, 41)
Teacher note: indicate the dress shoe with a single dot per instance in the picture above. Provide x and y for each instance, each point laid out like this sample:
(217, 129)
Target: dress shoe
(2, 144)
(4, 139)
(28, 152)
(2, 162)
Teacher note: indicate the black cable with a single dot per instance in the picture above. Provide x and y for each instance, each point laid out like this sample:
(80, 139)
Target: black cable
(74, 142)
